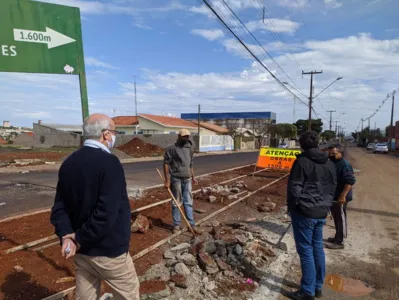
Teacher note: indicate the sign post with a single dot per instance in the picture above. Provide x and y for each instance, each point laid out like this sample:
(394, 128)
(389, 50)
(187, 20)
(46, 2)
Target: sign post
(44, 38)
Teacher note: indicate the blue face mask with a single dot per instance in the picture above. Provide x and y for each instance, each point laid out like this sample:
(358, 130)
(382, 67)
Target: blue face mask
(112, 143)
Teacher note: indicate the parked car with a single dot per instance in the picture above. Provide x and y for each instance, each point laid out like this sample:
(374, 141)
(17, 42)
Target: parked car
(371, 146)
(381, 148)
(283, 146)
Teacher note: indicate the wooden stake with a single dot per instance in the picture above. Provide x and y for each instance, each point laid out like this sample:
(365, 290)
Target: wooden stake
(177, 204)
(31, 244)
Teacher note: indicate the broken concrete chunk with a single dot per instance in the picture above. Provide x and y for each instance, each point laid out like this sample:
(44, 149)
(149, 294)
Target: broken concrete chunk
(211, 286)
(18, 268)
(235, 190)
(215, 223)
(210, 247)
(212, 199)
(207, 263)
(181, 268)
(233, 197)
(141, 224)
(238, 250)
(181, 247)
(171, 262)
(222, 264)
(179, 281)
(188, 259)
(242, 240)
(169, 255)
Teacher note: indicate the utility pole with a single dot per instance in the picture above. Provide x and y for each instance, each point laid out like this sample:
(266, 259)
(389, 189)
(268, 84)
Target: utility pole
(331, 111)
(362, 124)
(311, 95)
(336, 127)
(391, 130)
(199, 126)
(369, 124)
(135, 95)
(294, 114)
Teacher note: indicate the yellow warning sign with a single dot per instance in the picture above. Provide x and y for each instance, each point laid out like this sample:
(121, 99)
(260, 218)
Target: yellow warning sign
(275, 158)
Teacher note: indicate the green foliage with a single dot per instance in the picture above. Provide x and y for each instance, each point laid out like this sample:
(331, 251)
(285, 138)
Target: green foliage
(328, 135)
(302, 125)
(283, 130)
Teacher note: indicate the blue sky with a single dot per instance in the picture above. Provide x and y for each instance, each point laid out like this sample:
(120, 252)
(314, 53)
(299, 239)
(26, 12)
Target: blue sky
(181, 57)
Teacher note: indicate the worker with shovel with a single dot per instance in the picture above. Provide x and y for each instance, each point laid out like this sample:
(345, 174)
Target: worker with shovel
(178, 164)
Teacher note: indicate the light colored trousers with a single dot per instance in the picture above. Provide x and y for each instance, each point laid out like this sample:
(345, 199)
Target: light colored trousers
(118, 272)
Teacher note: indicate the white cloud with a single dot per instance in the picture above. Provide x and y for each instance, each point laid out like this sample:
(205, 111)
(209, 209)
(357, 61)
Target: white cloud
(93, 62)
(211, 35)
(279, 25)
(142, 26)
(333, 3)
(293, 3)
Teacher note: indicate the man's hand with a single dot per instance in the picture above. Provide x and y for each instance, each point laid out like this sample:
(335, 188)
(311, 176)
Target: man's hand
(195, 181)
(68, 248)
(167, 183)
(342, 200)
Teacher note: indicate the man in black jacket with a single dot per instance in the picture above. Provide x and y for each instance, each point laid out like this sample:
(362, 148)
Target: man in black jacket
(91, 215)
(343, 195)
(310, 193)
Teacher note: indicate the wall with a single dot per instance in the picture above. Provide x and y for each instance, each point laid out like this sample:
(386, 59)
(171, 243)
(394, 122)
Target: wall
(46, 137)
(216, 143)
(24, 140)
(161, 140)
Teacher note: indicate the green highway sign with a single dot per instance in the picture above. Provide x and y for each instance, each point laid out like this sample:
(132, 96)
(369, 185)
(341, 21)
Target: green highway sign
(38, 37)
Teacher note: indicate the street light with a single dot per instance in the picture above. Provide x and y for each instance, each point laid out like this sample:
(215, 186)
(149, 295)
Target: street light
(339, 78)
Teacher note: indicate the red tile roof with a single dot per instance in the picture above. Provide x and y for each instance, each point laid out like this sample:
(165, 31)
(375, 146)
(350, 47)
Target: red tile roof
(3, 141)
(168, 121)
(125, 120)
(213, 127)
(28, 133)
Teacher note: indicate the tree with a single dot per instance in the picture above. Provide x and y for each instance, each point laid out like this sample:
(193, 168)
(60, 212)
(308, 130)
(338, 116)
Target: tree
(232, 126)
(302, 125)
(261, 130)
(328, 135)
(283, 131)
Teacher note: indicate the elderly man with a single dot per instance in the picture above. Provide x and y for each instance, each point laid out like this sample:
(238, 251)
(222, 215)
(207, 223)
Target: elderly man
(310, 193)
(91, 215)
(343, 195)
(178, 162)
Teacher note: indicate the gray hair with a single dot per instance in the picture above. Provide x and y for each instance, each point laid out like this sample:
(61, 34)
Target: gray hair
(93, 130)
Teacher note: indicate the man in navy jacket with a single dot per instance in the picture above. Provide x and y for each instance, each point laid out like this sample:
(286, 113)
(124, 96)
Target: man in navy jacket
(310, 194)
(91, 214)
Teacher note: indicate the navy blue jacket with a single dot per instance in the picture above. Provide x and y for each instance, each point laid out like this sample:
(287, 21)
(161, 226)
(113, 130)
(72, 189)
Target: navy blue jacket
(91, 200)
(345, 175)
(311, 184)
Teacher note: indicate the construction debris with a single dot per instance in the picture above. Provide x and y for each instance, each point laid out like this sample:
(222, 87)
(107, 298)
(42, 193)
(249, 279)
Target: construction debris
(141, 224)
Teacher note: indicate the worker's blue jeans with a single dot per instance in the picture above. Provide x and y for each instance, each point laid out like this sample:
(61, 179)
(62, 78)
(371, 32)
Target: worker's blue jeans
(308, 234)
(182, 190)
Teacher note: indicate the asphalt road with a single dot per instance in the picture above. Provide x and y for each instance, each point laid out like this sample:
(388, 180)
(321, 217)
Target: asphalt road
(35, 190)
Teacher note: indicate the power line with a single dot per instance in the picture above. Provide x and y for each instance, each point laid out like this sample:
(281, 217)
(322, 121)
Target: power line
(257, 41)
(249, 50)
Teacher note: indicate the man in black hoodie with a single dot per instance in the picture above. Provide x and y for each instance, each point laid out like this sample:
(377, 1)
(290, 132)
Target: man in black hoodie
(310, 194)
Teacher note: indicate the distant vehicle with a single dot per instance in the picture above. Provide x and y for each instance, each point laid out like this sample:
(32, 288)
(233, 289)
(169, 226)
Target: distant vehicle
(381, 148)
(371, 146)
(283, 146)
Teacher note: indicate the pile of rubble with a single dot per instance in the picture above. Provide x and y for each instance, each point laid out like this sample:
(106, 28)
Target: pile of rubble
(215, 265)
(219, 193)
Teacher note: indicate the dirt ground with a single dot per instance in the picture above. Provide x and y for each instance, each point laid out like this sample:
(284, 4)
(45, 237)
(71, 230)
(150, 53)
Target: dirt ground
(9, 154)
(138, 148)
(370, 260)
(42, 269)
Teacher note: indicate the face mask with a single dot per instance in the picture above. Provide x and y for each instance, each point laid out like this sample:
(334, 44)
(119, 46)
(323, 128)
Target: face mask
(112, 143)
(333, 158)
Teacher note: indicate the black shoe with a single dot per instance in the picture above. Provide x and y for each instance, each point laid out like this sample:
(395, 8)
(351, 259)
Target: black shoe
(336, 246)
(298, 295)
(318, 294)
(331, 239)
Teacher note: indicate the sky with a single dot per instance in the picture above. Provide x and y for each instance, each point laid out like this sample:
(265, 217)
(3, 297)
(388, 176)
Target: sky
(182, 56)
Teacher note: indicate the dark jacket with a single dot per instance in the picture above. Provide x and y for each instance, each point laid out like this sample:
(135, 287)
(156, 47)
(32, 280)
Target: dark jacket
(311, 184)
(91, 200)
(345, 175)
(180, 159)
